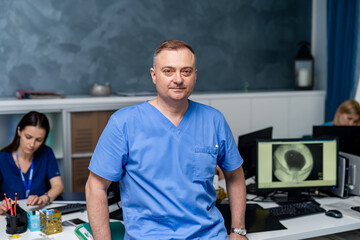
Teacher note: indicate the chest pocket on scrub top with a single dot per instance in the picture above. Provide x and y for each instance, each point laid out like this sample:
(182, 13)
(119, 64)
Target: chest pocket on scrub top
(204, 162)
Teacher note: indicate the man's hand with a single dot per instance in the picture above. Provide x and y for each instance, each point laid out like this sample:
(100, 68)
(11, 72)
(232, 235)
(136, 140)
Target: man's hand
(235, 236)
(235, 185)
(97, 206)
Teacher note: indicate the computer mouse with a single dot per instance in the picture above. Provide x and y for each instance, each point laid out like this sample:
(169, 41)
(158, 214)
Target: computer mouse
(334, 213)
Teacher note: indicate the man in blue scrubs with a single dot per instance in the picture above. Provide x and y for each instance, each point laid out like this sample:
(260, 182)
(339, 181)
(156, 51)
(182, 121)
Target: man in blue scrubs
(164, 152)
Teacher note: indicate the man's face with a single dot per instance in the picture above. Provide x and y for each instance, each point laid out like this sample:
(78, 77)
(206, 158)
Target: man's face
(174, 74)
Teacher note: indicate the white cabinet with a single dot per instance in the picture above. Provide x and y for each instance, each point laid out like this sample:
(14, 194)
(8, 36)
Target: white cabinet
(292, 114)
(237, 112)
(304, 112)
(271, 111)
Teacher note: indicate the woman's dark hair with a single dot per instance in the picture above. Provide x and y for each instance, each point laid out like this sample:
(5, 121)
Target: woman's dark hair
(32, 118)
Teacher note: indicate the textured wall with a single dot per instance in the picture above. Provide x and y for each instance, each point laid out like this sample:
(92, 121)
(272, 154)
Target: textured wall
(68, 45)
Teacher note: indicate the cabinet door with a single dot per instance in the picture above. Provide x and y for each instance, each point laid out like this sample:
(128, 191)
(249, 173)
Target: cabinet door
(304, 113)
(103, 118)
(83, 132)
(271, 112)
(80, 173)
(86, 128)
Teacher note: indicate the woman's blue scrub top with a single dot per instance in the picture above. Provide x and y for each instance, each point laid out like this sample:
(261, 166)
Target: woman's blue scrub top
(45, 168)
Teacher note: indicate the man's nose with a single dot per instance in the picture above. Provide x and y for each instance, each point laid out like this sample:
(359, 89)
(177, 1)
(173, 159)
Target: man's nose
(178, 78)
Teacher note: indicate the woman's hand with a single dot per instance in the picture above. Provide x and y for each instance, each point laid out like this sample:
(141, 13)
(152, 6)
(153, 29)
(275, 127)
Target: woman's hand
(34, 200)
(3, 207)
(219, 172)
(55, 190)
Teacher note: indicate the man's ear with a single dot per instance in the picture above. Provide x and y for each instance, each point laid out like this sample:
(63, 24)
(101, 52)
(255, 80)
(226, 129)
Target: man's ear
(153, 75)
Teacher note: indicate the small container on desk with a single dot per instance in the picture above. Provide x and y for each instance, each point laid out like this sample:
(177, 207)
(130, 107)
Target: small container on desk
(17, 223)
(33, 221)
(50, 221)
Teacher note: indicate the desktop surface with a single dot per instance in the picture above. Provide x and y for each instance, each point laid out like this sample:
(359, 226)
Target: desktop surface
(296, 228)
(314, 225)
(68, 232)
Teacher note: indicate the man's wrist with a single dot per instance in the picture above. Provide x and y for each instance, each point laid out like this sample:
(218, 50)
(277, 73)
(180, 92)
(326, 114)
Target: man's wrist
(240, 231)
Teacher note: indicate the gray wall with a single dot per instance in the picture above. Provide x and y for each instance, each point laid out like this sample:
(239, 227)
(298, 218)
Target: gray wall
(67, 45)
(319, 43)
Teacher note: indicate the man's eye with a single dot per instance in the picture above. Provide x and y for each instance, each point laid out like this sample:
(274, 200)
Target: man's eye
(186, 72)
(167, 72)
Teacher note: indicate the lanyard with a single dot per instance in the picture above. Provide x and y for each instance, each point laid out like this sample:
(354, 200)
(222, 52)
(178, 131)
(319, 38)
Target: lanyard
(27, 185)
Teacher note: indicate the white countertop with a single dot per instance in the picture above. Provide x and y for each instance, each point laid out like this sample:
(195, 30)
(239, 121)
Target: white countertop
(85, 102)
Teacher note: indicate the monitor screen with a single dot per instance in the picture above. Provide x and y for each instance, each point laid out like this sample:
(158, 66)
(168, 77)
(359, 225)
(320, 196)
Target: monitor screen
(247, 149)
(113, 193)
(296, 164)
(349, 136)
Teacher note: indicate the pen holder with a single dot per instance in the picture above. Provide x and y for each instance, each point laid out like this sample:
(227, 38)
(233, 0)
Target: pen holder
(50, 221)
(16, 224)
(33, 221)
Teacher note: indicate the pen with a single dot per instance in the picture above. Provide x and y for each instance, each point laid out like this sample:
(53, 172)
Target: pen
(7, 202)
(15, 204)
(8, 205)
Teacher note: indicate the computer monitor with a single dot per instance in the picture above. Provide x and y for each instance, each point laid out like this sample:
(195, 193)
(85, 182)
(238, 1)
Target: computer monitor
(113, 196)
(113, 193)
(247, 149)
(349, 137)
(296, 165)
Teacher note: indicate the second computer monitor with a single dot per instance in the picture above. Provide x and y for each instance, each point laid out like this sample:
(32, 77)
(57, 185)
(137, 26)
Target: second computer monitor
(349, 137)
(294, 165)
(247, 149)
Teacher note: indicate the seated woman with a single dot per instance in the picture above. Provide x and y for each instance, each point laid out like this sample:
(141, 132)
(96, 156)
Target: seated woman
(347, 114)
(27, 165)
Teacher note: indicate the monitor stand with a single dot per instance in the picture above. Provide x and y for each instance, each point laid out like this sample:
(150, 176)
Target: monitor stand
(251, 189)
(117, 214)
(291, 196)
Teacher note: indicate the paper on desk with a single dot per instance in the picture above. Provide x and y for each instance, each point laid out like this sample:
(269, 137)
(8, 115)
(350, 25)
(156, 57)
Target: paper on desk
(345, 207)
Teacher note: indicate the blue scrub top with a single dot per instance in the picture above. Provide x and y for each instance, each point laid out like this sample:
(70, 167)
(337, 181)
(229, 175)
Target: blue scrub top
(327, 124)
(45, 168)
(166, 172)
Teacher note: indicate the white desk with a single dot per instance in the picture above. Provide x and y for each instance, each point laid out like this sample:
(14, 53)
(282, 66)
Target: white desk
(317, 224)
(297, 228)
(67, 232)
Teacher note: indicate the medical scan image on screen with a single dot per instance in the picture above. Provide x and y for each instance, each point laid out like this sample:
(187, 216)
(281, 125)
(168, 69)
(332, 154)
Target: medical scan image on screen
(295, 162)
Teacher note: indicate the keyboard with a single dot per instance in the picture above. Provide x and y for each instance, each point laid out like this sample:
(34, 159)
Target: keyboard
(298, 209)
(70, 208)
